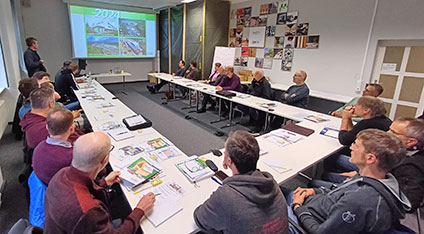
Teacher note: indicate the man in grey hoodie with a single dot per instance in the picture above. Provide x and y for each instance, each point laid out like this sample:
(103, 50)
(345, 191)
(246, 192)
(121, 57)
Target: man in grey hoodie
(370, 202)
(250, 201)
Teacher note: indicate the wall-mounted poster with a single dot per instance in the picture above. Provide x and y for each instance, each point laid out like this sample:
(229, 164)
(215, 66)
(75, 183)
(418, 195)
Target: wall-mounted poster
(257, 37)
(240, 21)
(280, 30)
(302, 29)
(273, 8)
(237, 61)
(291, 30)
(289, 42)
(264, 9)
(270, 31)
(244, 51)
(244, 61)
(262, 20)
(281, 18)
(292, 17)
(247, 12)
(300, 42)
(278, 53)
(283, 6)
(232, 32)
(254, 21)
(268, 53)
(232, 42)
(287, 62)
(259, 62)
(267, 63)
(247, 22)
(279, 42)
(233, 14)
(312, 42)
(238, 42)
(252, 52)
(239, 31)
(245, 42)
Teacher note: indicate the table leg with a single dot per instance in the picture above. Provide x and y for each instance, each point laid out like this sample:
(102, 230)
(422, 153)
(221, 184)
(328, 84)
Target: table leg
(197, 102)
(219, 112)
(123, 85)
(230, 122)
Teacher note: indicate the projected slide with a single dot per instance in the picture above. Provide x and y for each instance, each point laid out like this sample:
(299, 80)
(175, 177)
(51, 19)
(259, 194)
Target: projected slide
(101, 33)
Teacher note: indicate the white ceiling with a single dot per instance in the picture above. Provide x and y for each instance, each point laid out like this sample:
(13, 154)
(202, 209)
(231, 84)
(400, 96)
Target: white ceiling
(149, 4)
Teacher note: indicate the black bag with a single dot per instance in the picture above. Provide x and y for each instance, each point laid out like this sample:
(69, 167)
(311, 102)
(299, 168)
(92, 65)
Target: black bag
(226, 94)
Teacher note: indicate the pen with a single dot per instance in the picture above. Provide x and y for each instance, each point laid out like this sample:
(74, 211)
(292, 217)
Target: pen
(157, 194)
(214, 179)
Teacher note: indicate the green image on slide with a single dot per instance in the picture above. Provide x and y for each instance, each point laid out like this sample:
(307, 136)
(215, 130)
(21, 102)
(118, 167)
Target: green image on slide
(132, 28)
(102, 46)
(99, 26)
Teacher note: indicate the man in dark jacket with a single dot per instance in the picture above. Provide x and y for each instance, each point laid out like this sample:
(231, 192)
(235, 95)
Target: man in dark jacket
(193, 73)
(369, 202)
(410, 172)
(298, 94)
(260, 87)
(180, 72)
(250, 201)
(33, 62)
(75, 203)
(65, 84)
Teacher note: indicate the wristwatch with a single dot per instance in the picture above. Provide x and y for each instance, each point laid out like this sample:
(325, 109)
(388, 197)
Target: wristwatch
(293, 206)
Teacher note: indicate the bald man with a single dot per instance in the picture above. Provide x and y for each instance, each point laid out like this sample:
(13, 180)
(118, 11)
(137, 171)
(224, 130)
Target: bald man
(298, 94)
(260, 87)
(75, 203)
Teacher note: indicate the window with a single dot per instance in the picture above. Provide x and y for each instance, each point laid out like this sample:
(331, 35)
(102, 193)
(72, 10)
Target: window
(3, 76)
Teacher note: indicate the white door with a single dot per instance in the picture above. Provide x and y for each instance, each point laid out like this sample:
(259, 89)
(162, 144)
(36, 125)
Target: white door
(399, 68)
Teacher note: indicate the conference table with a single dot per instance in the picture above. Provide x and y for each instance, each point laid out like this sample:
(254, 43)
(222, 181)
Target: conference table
(106, 75)
(297, 156)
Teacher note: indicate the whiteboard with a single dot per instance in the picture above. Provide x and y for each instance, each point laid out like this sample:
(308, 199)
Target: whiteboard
(224, 55)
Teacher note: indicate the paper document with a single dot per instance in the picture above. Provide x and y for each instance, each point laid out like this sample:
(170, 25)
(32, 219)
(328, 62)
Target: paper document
(194, 169)
(243, 95)
(317, 118)
(135, 120)
(138, 171)
(333, 133)
(276, 165)
(120, 134)
(166, 204)
(106, 115)
(104, 105)
(109, 125)
(282, 137)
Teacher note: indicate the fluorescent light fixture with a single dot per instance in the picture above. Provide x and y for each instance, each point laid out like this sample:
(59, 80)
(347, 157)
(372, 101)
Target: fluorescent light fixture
(187, 1)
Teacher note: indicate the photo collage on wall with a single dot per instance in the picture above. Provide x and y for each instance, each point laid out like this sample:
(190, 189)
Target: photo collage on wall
(282, 36)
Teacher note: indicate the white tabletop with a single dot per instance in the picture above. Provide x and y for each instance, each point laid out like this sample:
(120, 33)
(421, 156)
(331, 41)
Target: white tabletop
(110, 74)
(297, 156)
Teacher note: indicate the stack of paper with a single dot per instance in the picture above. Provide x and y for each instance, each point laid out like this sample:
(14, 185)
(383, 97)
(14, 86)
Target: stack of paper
(110, 125)
(104, 105)
(119, 134)
(282, 137)
(316, 118)
(194, 169)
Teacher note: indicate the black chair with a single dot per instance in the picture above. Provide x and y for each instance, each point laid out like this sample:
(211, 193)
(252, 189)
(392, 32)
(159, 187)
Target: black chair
(24, 227)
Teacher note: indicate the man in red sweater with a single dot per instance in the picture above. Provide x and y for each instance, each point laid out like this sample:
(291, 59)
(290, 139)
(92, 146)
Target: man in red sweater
(34, 122)
(75, 203)
(54, 153)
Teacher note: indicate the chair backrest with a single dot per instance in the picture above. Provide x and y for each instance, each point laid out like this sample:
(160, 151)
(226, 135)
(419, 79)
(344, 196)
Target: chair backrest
(24, 227)
(37, 190)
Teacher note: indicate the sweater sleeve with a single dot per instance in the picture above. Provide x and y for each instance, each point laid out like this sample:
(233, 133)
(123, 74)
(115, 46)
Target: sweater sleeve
(300, 94)
(348, 137)
(97, 220)
(209, 216)
(346, 214)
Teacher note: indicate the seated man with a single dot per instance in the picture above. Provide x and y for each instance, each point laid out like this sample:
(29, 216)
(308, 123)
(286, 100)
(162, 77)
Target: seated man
(54, 153)
(65, 84)
(206, 97)
(75, 203)
(193, 73)
(260, 88)
(370, 202)
(231, 82)
(34, 122)
(64, 67)
(371, 110)
(298, 94)
(410, 172)
(180, 72)
(373, 90)
(25, 87)
(250, 201)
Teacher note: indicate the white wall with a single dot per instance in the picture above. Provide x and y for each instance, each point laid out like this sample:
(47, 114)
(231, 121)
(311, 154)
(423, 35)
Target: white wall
(344, 28)
(395, 20)
(11, 57)
(48, 21)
